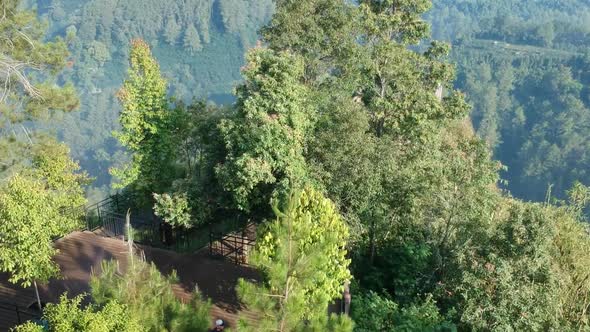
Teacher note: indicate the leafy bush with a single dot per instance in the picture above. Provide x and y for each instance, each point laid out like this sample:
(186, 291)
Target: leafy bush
(175, 209)
(373, 312)
(69, 316)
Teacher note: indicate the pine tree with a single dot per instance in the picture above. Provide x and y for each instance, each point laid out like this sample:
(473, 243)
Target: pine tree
(149, 297)
(172, 31)
(69, 315)
(303, 260)
(192, 40)
(29, 67)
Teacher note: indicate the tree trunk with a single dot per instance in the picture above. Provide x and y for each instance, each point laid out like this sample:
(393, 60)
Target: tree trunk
(372, 244)
(38, 298)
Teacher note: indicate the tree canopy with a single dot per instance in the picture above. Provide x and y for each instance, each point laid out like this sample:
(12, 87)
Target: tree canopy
(348, 120)
(36, 206)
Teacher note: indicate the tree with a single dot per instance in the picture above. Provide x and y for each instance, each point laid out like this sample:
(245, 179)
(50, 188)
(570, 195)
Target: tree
(372, 312)
(29, 76)
(99, 52)
(69, 316)
(192, 40)
(29, 67)
(149, 297)
(172, 31)
(303, 260)
(320, 31)
(36, 206)
(175, 209)
(200, 149)
(397, 85)
(265, 138)
(146, 124)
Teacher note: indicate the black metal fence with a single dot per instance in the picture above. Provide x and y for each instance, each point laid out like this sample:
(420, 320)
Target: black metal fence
(154, 233)
(109, 215)
(233, 246)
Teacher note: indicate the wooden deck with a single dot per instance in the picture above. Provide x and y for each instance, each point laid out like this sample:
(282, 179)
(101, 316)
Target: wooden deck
(82, 252)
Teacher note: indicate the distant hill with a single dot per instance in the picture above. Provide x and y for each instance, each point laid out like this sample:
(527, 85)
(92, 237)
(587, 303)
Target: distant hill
(525, 67)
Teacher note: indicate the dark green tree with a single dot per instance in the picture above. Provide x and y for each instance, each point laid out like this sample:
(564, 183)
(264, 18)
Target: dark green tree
(265, 138)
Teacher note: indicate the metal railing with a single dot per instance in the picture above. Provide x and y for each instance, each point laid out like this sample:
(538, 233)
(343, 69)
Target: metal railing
(234, 246)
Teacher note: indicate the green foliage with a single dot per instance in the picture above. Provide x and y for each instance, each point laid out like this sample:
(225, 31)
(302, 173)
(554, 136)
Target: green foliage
(579, 197)
(69, 316)
(192, 41)
(346, 98)
(372, 312)
(29, 68)
(146, 123)
(172, 31)
(27, 249)
(418, 187)
(320, 38)
(199, 150)
(265, 138)
(397, 85)
(148, 295)
(511, 285)
(36, 206)
(224, 29)
(525, 80)
(333, 323)
(556, 24)
(99, 52)
(175, 210)
(303, 258)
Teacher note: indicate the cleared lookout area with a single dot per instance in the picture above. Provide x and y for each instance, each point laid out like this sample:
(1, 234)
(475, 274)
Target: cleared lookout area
(81, 254)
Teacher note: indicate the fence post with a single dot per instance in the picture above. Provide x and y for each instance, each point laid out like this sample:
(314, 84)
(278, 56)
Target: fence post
(236, 251)
(210, 241)
(86, 218)
(17, 314)
(100, 222)
(117, 202)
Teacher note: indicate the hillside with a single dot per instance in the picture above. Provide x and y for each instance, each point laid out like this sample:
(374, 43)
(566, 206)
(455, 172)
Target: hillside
(503, 51)
(199, 44)
(524, 67)
(349, 146)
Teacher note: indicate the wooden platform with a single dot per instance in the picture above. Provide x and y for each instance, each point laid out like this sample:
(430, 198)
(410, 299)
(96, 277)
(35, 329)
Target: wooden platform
(82, 252)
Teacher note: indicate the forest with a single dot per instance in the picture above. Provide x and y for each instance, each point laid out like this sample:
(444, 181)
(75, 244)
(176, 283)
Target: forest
(499, 48)
(429, 156)
(199, 43)
(524, 67)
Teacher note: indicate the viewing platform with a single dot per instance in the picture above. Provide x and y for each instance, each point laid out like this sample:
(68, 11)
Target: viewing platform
(81, 253)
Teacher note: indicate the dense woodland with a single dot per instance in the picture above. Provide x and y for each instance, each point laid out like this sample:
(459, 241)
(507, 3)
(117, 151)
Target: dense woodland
(199, 43)
(337, 143)
(516, 61)
(524, 67)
